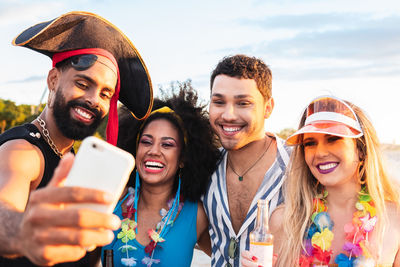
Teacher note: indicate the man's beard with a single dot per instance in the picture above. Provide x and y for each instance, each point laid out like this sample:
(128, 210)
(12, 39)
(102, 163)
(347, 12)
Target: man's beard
(68, 126)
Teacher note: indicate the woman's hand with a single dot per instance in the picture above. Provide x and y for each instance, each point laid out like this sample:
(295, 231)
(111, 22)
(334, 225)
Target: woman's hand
(249, 259)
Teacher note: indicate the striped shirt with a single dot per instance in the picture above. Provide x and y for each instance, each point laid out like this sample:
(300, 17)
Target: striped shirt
(216, 206)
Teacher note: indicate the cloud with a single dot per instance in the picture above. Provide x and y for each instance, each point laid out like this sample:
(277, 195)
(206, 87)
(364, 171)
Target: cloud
(326, 73)
(381, 40)
(331, 45)
(304, 21)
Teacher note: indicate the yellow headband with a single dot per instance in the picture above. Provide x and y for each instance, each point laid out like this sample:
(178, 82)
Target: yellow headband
(163, 109)
(166, 109)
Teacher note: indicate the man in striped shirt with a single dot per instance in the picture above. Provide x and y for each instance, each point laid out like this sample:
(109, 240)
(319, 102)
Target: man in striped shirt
(253, 161)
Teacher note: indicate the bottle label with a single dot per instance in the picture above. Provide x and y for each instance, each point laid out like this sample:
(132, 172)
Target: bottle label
(263, 251)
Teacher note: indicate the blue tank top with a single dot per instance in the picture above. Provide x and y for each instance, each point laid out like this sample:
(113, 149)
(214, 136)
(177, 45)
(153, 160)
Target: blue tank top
(176, 250)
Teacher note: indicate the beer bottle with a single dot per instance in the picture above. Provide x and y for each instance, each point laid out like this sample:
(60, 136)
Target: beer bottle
(108, 258)
(261, 240)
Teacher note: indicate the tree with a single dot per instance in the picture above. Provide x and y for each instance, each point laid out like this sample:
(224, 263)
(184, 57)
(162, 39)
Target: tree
(285, 133)
(34, 111)
(2, 126)
(8, 114)
(12, 114)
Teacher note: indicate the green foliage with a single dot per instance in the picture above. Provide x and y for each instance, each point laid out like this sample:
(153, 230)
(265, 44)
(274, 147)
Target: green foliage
(12, 114)
(8, 113)
(35, 111)
(285, 133)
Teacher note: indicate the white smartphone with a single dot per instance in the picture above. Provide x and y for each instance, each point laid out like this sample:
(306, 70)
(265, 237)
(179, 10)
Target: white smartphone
(100, 165)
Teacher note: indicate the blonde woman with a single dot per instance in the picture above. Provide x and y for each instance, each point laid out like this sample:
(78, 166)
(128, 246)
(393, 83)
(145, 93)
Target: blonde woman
(341, 208)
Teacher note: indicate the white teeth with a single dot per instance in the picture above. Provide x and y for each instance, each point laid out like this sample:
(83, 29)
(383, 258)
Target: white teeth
(83, 113)
(327, 166)
(153, 164)
(231, 129)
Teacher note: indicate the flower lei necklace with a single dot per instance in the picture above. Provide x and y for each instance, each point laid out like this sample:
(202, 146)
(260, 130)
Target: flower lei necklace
(319, 235)
(129, 226)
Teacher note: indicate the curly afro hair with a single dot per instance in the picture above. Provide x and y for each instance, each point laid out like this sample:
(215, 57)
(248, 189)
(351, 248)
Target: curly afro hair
(200, 153)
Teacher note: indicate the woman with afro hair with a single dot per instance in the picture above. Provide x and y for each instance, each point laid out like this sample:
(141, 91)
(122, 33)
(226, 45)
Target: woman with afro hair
(162, 216)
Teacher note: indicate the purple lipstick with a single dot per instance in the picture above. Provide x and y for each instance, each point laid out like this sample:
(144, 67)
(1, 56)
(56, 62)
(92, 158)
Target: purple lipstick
(327, 167)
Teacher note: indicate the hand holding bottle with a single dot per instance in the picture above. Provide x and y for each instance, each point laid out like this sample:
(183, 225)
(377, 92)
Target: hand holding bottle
(261, 240)
(248, 259)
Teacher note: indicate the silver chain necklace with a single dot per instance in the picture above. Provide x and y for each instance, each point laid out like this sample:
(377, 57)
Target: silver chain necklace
(48, 139)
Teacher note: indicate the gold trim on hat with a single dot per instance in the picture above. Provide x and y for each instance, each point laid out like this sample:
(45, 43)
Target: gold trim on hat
(117, 29)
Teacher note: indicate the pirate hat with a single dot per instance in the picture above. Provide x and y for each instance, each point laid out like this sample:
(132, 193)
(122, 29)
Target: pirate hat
(80, 30)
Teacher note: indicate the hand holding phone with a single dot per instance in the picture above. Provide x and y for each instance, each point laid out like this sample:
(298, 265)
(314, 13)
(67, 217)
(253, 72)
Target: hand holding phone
(100, 165)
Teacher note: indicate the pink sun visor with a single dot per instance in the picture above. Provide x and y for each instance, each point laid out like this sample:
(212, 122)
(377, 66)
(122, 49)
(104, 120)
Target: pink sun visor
(328, 115)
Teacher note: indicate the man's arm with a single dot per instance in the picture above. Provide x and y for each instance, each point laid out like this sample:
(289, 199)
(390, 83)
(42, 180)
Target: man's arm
(21, 163)
(46, 230)
(203, 237)
(9, 220)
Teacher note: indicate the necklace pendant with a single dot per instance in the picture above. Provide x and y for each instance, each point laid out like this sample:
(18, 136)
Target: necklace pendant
(240, 178)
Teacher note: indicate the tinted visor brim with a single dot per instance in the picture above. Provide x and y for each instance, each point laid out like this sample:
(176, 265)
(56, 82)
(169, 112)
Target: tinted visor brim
(327, 127)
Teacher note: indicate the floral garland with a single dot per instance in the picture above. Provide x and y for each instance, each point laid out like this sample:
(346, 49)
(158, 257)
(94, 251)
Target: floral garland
(319, 235)
(129, 227)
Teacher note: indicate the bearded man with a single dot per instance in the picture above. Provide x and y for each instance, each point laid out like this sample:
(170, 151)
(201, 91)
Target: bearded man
(94, 65)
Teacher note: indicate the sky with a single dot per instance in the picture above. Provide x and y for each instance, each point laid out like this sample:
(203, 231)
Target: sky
(346, 48)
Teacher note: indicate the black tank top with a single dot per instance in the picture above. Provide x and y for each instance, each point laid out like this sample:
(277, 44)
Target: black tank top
(30, 133)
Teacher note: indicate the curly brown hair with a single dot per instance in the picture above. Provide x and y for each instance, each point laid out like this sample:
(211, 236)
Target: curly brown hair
(245, 67)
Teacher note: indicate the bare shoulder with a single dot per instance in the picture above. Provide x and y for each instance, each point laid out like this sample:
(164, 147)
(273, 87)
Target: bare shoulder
(393, 212)
(21, 164)
(276, 219)
(393, 208)
(391, 241)
(276, 227)
(21, 156)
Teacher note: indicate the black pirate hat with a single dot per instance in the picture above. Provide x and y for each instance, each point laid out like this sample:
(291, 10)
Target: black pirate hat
(81, 30)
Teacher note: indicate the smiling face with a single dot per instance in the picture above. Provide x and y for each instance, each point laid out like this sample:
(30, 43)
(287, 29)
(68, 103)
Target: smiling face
(333, 160)
(237, 111)
(158, 154)
(82, 98)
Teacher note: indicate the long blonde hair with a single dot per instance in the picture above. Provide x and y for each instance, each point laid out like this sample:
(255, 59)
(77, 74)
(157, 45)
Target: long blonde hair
(301, 187)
